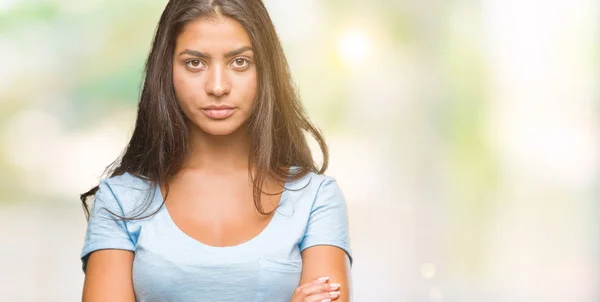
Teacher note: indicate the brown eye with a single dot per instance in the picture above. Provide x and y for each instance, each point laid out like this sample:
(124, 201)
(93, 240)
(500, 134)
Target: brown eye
(240, 62)
(194, 64)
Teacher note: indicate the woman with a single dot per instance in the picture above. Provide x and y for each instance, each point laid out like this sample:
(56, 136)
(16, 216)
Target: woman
(217, 196)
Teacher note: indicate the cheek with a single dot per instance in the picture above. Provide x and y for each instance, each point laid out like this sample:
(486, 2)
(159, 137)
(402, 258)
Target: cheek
(248, 89)
(185, 90)
(178, 83)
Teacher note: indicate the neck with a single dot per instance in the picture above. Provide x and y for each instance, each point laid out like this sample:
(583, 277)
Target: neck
(222, 154)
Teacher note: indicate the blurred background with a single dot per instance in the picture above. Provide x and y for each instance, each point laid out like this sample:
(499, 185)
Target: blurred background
(464, 134)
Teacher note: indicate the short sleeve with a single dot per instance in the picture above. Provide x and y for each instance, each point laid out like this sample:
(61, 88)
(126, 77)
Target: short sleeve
(104, 229)
(328, 220)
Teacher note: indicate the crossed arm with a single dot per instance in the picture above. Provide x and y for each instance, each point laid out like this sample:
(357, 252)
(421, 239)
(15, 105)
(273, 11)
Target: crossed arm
(108, 274)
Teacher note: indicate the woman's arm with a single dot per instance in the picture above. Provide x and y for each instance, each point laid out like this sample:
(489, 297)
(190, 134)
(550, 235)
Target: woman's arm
(108, 277)
(328, 261)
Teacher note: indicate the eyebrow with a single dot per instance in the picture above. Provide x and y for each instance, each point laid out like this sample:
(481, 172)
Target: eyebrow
(205, 55)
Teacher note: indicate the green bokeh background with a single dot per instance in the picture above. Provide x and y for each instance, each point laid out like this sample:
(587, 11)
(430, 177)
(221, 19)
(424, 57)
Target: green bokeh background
(464, 135)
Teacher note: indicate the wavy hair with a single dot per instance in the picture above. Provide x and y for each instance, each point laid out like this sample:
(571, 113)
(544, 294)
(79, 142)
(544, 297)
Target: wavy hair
(277, 126)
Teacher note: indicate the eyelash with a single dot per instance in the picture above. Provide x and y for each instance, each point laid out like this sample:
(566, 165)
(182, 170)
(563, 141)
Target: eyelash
(241, 58)
(247, 61)
(187, 63)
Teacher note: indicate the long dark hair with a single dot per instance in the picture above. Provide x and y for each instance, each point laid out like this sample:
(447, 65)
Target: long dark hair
(277, 126)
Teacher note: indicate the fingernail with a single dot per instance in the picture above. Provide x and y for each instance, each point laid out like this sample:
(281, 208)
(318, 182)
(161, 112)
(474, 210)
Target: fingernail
(334, 285)
(334, 294)
(323, 279)
(326, 300)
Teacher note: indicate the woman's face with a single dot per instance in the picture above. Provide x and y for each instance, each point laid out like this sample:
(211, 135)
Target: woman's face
(214, 75)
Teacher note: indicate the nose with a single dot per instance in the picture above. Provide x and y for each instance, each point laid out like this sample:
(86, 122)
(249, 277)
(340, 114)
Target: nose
(218, 83)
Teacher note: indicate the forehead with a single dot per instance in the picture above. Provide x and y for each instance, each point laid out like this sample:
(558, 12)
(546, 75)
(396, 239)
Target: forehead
(213, 35)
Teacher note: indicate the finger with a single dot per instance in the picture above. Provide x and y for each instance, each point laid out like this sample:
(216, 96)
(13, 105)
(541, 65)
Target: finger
(317, 289)
(317, 281)
(323, 297)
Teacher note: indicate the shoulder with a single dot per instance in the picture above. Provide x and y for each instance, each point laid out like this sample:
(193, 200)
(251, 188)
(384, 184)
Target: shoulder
(326, 214)
(314, 182)
(310, 182)
(127, 181)
(125, 193)
(314, 189)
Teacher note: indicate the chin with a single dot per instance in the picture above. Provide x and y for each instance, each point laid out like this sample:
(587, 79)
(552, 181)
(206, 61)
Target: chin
(218, 128)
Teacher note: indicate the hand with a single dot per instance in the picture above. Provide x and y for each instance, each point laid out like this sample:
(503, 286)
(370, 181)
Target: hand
(316, 291)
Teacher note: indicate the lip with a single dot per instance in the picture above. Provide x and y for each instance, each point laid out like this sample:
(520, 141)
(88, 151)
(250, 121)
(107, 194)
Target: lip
(215, 107)
(218, 114)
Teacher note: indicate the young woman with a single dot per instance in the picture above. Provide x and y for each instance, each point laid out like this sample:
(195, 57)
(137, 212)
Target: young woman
(217, 196)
